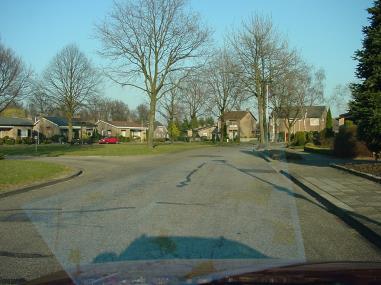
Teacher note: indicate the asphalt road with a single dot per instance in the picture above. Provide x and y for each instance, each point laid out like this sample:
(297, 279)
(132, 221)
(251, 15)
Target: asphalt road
(212, 203)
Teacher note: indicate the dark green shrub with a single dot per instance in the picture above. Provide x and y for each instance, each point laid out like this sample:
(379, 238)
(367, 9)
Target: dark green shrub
(329, 125)
(316, 138)
(18, 140)
(124, 139)
(346, 144)
(281, 137)
(56, 138)
(1, 141)
(9, 141)
(299, 139)
(309, 137)
(96, 136)
(47, 141)
(28, 140)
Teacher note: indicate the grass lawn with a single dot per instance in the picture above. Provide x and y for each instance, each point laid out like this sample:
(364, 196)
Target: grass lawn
(21, 172)
(86, 150)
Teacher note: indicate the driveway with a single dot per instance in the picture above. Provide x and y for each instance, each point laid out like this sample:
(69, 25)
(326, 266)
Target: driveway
(212, 203)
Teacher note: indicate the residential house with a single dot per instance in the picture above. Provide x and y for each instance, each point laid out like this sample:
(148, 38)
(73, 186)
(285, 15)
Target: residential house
(15, 127)
(307, 119)
(239, 124)
(206, 132)
(121, 128)
(160, 132)
(344, 117)
(57, 126)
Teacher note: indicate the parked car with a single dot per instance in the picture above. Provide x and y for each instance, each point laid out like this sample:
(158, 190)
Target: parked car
(108, 141)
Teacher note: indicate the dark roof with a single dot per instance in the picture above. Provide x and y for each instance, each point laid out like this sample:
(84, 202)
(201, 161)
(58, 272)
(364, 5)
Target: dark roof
(125, 124)
(7, 121)
(57, 120)
(236, 115)
(347, 116)
(312, 112)
(62, 122)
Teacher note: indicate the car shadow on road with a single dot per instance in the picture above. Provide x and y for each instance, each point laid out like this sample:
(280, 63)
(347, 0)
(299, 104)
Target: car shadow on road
(181, 247)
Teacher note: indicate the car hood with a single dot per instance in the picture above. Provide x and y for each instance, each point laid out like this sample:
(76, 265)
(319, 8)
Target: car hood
(217, 271)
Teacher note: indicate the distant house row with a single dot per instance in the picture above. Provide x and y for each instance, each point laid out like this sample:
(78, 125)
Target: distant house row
(239, 124)
(57, 126)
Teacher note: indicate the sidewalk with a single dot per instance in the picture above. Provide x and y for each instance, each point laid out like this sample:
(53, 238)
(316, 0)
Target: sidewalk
(355, 199)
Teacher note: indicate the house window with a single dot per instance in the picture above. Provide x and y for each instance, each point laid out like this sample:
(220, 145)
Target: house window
(109, 133)
(314, 122)
(123, 132)
(22, 133)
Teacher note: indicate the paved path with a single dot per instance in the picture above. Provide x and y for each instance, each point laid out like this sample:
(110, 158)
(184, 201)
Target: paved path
(357, 196)
(213, 203)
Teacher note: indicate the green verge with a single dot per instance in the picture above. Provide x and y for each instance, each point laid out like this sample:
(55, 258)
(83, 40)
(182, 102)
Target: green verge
(15, 173)
(98, 150)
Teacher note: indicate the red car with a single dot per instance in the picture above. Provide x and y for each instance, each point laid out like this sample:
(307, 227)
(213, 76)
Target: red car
(108, 140)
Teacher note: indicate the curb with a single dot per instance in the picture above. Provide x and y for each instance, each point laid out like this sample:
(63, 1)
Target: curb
(357, 173)
(336, 207)
(44, 184)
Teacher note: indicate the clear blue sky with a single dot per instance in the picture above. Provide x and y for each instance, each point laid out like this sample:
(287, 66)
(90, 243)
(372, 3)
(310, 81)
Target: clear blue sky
(326, 32)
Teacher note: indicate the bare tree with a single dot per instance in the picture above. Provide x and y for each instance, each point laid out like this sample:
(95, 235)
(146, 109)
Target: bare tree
(170, 106)
(258, 46)
(39, 102)
(293, 96)
(294, 89)
(101, 108)
(147, 40)
(70, 82)
(339, 99)
(194, 95)
(119, 110)
(14, 78)
(142, 113)
(315, 92)
(226, 89)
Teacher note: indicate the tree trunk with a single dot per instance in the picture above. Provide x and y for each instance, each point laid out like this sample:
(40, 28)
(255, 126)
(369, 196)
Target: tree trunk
(222, 128)
(70, 128)
(288, 127)
(151, 126)
(171, 128)
(261, 119)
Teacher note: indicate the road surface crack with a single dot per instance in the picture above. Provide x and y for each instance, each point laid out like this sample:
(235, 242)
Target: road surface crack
(188, 178)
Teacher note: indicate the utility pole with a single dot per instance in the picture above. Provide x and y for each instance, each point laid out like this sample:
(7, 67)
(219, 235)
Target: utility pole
(267, 116)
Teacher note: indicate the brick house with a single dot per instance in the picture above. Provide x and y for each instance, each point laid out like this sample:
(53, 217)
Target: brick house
(239, 124)
(309, 119)
(15, 127)
(57, 126)
(121, 128)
